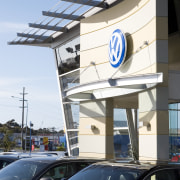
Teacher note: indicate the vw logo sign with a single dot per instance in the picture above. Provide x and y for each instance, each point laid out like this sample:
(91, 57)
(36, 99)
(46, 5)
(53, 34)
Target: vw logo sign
(117, 48)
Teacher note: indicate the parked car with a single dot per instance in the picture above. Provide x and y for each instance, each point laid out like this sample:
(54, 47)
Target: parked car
(8, 157)
(44, 168)
(128, 171)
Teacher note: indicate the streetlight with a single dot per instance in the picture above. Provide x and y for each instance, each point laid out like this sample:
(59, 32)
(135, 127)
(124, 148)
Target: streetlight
(71, 50)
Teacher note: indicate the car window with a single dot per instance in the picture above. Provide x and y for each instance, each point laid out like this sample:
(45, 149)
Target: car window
(21, 170)
(64, 170)
(3, 163)
(166, 174)
(57, 172)
(101, 172)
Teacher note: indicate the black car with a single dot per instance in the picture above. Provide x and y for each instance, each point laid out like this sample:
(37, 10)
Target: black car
(129, 171)
(44, 168)
(8, 157)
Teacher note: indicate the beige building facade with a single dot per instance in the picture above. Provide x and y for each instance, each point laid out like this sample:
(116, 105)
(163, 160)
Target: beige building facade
(145, 24)
(145, 84)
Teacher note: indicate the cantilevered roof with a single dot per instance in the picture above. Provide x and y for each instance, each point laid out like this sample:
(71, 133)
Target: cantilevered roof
(113, 87)
(60, 19)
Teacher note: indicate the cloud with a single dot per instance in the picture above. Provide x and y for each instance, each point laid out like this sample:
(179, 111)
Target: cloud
(10, 81)
(7, 81)
(42, 89)
(6, 27)
(7, 86)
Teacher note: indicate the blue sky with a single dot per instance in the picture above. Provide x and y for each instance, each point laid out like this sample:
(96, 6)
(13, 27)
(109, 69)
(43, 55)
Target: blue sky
(27, 66)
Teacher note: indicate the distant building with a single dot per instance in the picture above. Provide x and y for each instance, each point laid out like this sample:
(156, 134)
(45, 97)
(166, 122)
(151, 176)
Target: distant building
(62, 140)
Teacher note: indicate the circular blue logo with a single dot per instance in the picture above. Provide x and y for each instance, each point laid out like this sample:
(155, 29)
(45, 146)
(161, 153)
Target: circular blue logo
(117, 48)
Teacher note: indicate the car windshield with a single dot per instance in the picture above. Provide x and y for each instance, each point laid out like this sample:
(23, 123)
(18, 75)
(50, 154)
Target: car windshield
(100, 172)
(21, 170)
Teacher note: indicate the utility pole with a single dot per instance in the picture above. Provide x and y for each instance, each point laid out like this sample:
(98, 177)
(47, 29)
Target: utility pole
(23, 94)
(53, 129)
(26, 126)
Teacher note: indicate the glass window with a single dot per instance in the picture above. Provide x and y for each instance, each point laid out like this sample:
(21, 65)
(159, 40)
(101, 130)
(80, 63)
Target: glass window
(3, 163)
(107, 173)
(121, 134)
(122, 143)
(166, 174)
(173, 16)
(71, 109)
(57, 172)
(68, 56)
(65, 170)
(174, 134)
(120, 119)
(22, 169)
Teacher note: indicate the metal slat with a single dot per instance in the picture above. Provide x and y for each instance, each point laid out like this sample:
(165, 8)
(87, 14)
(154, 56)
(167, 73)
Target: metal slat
(32, 43)
(32, 36)
(53, 28)
(62, 15)
(94, 3)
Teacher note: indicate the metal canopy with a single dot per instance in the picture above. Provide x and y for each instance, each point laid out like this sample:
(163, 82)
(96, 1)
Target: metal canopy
(59, 20)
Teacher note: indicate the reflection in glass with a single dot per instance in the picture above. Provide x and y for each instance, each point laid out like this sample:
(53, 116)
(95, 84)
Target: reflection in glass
(121, 134)
(71, 109)
(68, 56)
(68, 63)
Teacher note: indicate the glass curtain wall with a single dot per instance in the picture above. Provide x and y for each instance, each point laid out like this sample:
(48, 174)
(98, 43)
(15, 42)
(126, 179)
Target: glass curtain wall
(174, 133)
(122, 141)
(174, 109)
(173, 16)
(67, 56)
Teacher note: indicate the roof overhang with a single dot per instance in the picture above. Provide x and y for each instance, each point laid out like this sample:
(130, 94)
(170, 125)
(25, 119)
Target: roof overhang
(59, 20)
(113, 87)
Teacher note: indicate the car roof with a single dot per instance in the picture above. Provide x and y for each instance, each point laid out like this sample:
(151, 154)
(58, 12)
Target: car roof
(9, 157)
(124, 164)
(34, 154)
(145, 165)
(40, 159)
(52, 159)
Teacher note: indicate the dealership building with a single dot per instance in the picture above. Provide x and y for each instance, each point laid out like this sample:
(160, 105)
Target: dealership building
(118, 73)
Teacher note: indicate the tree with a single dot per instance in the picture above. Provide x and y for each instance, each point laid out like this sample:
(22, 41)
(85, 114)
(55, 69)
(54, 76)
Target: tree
(61, 132)
(7, 142)
(12, 124)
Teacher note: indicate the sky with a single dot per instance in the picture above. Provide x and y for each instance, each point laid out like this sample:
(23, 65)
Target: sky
(27, 66)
